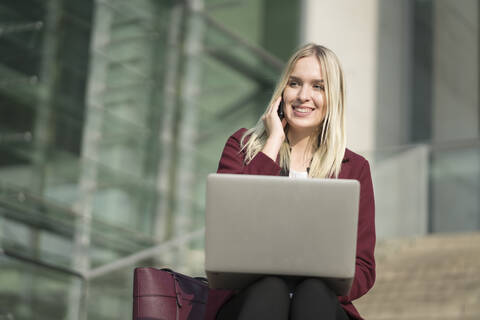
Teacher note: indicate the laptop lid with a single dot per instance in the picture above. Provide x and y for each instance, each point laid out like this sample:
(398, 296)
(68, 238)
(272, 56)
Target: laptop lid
(269, 225)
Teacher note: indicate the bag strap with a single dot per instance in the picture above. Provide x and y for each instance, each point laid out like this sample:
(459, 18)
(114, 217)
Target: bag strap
(178, 292)
(178, 295)
(201, 279)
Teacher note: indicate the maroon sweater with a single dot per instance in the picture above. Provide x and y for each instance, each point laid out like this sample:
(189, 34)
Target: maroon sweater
(355, 167)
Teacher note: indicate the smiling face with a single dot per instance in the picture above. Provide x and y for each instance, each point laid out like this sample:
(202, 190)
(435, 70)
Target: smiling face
(304, 95)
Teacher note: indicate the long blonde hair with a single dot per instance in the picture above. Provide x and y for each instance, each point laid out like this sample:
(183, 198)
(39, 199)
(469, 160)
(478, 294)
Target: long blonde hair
(329, 146)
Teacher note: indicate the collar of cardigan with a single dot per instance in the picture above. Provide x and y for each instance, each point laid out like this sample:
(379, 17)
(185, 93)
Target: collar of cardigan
(346, 158)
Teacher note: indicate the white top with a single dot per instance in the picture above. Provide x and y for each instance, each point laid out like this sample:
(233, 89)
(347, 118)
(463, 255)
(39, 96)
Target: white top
(298, 174)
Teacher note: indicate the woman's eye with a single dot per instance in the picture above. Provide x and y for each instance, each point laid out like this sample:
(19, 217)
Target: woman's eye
(293, 83)
(319, 86)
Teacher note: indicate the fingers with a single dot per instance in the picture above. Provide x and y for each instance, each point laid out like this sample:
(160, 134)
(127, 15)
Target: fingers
(274, 106)
(273, 124)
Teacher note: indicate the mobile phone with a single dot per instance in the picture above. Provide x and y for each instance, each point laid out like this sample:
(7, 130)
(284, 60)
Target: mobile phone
(280, 113)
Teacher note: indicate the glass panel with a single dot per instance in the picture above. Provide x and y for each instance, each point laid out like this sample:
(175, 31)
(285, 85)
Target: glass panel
(31, 291)
(455, 190)
(400, 180)
(94, 114)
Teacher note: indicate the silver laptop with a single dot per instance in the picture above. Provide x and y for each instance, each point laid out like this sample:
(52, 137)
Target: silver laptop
(268, 225)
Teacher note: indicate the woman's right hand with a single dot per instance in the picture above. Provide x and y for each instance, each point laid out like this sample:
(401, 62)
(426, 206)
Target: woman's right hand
(273, 125)
(275, 130)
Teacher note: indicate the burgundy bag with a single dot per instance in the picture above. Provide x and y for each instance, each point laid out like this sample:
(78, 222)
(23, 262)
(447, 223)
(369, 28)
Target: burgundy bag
(162, 294)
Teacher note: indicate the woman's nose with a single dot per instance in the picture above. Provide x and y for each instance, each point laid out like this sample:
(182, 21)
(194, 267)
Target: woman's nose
(304, 93)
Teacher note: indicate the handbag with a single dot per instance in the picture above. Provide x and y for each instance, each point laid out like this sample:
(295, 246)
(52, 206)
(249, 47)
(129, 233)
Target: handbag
(163, 294)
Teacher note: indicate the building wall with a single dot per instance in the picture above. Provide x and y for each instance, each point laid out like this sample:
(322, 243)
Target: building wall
(455, 73)
(455, 116)
(412, 71)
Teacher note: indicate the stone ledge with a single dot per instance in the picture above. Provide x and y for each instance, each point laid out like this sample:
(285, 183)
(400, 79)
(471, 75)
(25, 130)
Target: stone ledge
(432, 277)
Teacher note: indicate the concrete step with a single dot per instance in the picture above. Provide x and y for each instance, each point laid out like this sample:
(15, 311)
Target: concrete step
(432, 277)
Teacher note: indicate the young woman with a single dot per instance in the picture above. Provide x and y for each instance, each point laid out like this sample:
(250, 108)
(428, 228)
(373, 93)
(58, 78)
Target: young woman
(308, 140)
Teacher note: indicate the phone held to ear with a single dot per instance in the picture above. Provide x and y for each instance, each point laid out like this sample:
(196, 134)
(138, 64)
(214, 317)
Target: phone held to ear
(280, 113)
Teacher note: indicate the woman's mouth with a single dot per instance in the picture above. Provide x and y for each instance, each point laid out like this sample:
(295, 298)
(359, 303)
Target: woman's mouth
(302, 111)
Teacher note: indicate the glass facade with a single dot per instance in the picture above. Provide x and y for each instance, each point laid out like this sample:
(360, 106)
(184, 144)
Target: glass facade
(113, 112)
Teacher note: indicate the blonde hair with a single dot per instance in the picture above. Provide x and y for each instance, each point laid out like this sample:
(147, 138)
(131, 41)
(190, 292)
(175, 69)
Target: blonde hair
(329, 146)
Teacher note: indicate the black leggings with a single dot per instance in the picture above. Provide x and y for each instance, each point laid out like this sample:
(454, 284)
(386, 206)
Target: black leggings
(269, 298)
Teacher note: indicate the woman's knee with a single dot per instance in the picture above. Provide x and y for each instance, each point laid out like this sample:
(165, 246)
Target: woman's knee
(313, 299)
(268, 298)
(315, 287)
(269, 285)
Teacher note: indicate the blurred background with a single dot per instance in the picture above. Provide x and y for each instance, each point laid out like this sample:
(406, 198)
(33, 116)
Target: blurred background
(113, 112)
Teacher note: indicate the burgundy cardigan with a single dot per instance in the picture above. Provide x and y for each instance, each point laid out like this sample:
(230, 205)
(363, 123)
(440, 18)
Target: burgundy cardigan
(355, 167)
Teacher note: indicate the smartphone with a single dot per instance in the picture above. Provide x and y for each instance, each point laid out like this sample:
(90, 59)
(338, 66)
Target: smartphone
(280, 113)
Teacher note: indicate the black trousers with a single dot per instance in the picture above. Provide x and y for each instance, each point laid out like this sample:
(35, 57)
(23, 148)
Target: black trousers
(269, 298)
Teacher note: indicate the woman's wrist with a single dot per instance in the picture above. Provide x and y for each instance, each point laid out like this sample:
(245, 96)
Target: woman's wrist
(272, 146)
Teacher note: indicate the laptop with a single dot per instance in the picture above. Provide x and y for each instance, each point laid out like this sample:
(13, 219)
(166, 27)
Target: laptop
(269, 225)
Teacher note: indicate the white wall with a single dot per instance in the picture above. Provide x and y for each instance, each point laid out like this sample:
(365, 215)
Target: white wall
(394, 65)
(349, 28)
